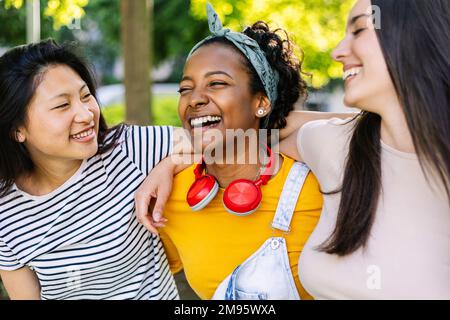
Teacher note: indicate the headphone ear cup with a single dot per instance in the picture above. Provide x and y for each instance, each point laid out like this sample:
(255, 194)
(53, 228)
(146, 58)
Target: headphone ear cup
(201, 192)
(242, 197)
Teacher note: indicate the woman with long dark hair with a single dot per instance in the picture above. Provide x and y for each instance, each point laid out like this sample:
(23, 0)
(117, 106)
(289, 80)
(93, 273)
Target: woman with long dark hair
(384, 231)
(67, 182)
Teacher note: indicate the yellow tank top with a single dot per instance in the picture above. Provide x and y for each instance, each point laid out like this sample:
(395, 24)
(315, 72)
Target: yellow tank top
(209, 244)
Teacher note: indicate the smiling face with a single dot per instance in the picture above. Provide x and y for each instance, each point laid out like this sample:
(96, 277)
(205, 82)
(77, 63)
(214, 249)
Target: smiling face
(367, 82)
(215, 92)
(62, 118)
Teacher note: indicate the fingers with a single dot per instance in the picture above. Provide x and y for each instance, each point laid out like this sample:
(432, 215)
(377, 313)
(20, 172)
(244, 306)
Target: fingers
(147, 223)
(142, 201)
(161, 199)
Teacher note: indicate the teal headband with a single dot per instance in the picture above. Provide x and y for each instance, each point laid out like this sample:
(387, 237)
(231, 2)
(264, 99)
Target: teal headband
(249, 48)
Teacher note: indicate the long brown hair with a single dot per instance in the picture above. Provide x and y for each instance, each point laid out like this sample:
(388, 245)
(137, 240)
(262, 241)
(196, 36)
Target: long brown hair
(415, 41)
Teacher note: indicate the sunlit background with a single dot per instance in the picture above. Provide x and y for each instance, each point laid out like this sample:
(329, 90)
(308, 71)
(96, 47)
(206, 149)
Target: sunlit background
(103, 32)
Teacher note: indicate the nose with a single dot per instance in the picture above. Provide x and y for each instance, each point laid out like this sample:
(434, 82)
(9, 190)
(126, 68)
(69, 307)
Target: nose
(198, 99)
(83, 113)
(342, 50)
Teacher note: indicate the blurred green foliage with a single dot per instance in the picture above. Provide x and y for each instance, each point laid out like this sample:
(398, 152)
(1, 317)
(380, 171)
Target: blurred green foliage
(63, 12)
(98, 36)
(164, 109)
(316, 26)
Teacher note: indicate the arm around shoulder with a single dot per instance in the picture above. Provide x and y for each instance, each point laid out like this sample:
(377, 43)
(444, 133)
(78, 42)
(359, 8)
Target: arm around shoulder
(296, 120)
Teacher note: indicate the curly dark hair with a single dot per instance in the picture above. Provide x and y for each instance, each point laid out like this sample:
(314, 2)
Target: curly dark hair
(279, 51)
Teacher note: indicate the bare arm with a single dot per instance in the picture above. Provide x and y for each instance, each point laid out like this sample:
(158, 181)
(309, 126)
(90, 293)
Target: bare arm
(295, 120)
(21, 284)
(158, 185)
(152, 195)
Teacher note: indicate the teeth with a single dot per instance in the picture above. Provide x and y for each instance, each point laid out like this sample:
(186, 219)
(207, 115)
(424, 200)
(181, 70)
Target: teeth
(83, 134)
(199, 121)
(351, 72)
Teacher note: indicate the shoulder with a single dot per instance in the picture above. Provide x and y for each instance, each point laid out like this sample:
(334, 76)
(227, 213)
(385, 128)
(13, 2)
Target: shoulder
(145, 146)
(10, 205)
(310, 195)
(325, 130)
(323, 144)
(149, 138)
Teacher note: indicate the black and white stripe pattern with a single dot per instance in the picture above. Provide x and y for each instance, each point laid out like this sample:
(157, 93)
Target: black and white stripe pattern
(83, 239)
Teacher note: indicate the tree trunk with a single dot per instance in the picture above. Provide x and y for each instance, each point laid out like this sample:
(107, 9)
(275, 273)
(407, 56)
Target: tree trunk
(136, 18)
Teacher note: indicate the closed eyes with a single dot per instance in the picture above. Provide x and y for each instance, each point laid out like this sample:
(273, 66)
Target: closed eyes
(358, 31)
(211, 84)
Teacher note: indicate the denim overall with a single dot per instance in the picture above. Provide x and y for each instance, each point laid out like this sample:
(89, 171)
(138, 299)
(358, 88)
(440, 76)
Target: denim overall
(266, 274)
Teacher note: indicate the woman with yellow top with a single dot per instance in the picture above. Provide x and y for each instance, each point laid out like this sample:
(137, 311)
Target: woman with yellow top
(241, 81)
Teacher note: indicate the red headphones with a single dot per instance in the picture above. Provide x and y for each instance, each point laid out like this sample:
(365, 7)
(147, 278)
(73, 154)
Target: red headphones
(241, 197)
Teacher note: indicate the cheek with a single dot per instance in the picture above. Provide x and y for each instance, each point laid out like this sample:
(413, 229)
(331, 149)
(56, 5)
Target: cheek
(95, 108)
(48, 133)
(51, 124)
(181, 108)
(238, 110)
(376, 72)
(369, 51)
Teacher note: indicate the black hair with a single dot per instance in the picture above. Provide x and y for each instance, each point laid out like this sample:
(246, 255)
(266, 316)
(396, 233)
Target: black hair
(415, 41)
(20, 71)
(279, 52)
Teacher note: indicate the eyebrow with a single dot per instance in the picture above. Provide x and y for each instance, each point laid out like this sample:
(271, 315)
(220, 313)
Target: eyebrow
(66, 94)
(208, 74)
(217, 72)
(355, 18)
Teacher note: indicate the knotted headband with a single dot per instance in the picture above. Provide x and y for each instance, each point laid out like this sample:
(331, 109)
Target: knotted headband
(249, 47)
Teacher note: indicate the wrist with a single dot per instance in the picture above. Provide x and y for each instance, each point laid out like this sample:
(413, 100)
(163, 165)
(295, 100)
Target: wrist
(176, 163)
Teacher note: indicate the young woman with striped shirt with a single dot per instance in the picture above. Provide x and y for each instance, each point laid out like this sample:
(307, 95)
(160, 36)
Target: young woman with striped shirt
(67, 183)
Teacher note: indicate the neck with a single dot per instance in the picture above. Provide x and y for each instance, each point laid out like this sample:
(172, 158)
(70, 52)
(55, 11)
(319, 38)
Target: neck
(394, 130)
(47, 178)
(228, 172)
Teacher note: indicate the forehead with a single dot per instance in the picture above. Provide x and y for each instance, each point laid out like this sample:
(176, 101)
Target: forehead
(57, 79)
(361, 7)
(215, 56)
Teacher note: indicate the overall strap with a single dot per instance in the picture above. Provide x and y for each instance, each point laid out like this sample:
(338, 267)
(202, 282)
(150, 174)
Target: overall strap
(289, 196)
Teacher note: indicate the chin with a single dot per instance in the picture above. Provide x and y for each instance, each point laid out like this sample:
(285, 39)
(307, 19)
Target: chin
(209, 146)
(89, 153)
(351, 101)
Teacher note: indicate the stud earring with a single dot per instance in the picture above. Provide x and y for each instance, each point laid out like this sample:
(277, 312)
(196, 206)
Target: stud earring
(19, 137)
(261, 112)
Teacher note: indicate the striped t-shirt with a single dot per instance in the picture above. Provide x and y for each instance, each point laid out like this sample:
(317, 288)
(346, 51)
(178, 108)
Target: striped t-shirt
(83, 239)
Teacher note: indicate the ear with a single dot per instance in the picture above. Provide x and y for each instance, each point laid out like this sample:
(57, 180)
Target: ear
(263, 106)
(19, 135)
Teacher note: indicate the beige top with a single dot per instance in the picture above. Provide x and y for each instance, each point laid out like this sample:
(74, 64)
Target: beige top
(408, 252)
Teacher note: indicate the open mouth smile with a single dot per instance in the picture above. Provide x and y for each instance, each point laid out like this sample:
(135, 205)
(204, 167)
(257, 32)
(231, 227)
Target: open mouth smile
(351, 73)
(205, 122)
(84, 136)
